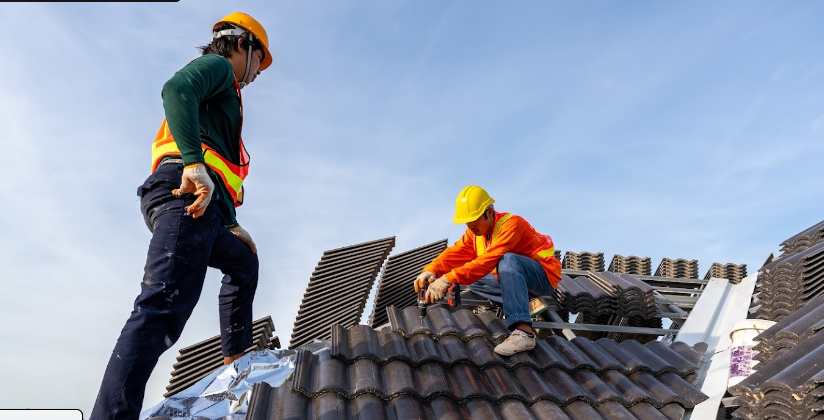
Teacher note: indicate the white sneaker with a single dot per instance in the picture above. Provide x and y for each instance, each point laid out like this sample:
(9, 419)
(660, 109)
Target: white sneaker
(516, 342)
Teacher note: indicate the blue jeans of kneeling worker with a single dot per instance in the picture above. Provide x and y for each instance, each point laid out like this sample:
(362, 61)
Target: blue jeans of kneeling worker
(179, 252)
(518, 278)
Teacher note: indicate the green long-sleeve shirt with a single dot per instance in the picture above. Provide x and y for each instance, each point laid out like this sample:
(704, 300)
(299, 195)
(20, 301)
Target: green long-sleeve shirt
(202, 105)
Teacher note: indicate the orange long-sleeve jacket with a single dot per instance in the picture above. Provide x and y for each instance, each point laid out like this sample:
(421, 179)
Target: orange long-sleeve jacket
(462, 263)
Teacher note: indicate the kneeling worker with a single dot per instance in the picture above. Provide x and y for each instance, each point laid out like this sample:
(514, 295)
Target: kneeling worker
(499, 254)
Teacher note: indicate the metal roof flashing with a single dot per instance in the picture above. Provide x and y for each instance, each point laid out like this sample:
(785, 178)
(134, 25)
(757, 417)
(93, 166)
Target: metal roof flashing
(720, 306)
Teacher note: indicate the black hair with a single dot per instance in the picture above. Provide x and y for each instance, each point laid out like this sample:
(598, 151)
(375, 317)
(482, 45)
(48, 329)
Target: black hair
(225, 44)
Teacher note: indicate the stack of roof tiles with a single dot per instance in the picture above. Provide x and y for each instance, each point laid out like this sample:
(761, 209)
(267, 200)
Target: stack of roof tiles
(786, 284)
(607, 293)
(631, 265)
(679, 268)
(446, 369)
(398, 277)
(789, 332)
(587, 261)
(801, 241)
(732, 272)
(787, 387)
(338, 289)
(197, 361)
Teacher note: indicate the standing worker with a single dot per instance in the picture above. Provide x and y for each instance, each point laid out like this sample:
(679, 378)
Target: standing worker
(188, 203)
(500, 254)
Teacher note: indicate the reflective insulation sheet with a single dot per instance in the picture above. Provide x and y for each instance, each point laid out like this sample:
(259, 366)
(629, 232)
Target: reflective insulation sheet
(224, 394)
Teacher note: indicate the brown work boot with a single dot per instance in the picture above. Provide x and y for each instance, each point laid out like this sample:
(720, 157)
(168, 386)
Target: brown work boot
(517, 341)
(227, 360)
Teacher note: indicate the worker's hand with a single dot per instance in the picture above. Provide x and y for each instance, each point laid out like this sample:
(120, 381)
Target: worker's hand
(243, 235)
(437, 289)
(196, 180)
(423, 279)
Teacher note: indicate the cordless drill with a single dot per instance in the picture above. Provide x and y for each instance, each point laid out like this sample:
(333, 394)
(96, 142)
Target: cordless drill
(422, 301)
(453, 298)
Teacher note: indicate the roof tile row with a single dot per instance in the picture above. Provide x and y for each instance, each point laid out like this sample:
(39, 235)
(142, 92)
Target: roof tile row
(447, 370)
(607, 292)
(789, 386)
(732, 272)
(384, 346)
(789, 332)
(282, 403)
(787, 284)
(338, 289)
(803, 240)
(631, 265)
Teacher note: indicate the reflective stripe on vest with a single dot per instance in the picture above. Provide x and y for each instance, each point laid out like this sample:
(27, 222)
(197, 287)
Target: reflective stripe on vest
(480, 243)
(231, 174)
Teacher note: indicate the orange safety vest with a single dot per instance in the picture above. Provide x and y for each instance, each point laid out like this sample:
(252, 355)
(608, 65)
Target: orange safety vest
(481, 243)
(231, 174)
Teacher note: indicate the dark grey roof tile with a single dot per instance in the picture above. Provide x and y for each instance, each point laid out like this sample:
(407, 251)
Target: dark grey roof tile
(692, 355)
(602, 358)
(651, 360)
(628, 389)
(580, 410)
(624, 358)
(600, 390)
(661, 393)
(615, 411)
(672, 411)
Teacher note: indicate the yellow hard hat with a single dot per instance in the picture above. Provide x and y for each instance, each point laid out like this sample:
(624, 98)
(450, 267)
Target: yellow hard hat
(471, 204)
(248, 23)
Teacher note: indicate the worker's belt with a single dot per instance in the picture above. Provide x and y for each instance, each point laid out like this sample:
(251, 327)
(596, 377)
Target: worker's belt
(172, 160)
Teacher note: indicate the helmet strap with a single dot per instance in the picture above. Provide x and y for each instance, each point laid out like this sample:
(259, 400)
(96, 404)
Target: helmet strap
(249, 41)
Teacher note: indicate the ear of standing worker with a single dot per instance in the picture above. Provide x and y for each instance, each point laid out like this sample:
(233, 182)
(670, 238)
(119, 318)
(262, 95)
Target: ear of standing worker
(501, 257)
(189, 203)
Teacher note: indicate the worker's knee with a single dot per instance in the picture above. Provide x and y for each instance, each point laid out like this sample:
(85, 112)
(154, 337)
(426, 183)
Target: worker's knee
(507, 262)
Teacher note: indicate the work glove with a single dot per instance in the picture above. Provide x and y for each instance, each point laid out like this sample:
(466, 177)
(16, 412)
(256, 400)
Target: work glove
(196, 180)
(437, 289)
(243, 235)
(423, 279)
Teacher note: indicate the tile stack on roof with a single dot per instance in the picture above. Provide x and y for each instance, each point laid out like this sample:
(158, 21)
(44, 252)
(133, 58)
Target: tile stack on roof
(587, 261)
(338, 289)
(452, 373)
(679, 268)
(803, 240)
(395, 287)
(787, 387)
(197, 361)
(631, 265)
(786, 284)
(606, 292)
(789, 332)
(732, 272)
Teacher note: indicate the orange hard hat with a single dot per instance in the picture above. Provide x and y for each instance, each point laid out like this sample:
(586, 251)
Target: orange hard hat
(254, 27)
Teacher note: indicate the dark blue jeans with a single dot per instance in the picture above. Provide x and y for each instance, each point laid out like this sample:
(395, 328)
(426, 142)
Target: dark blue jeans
(180, 250)
(518, 278)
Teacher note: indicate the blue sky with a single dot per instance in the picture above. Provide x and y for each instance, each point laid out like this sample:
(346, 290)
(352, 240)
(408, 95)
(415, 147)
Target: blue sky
(656, 129)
